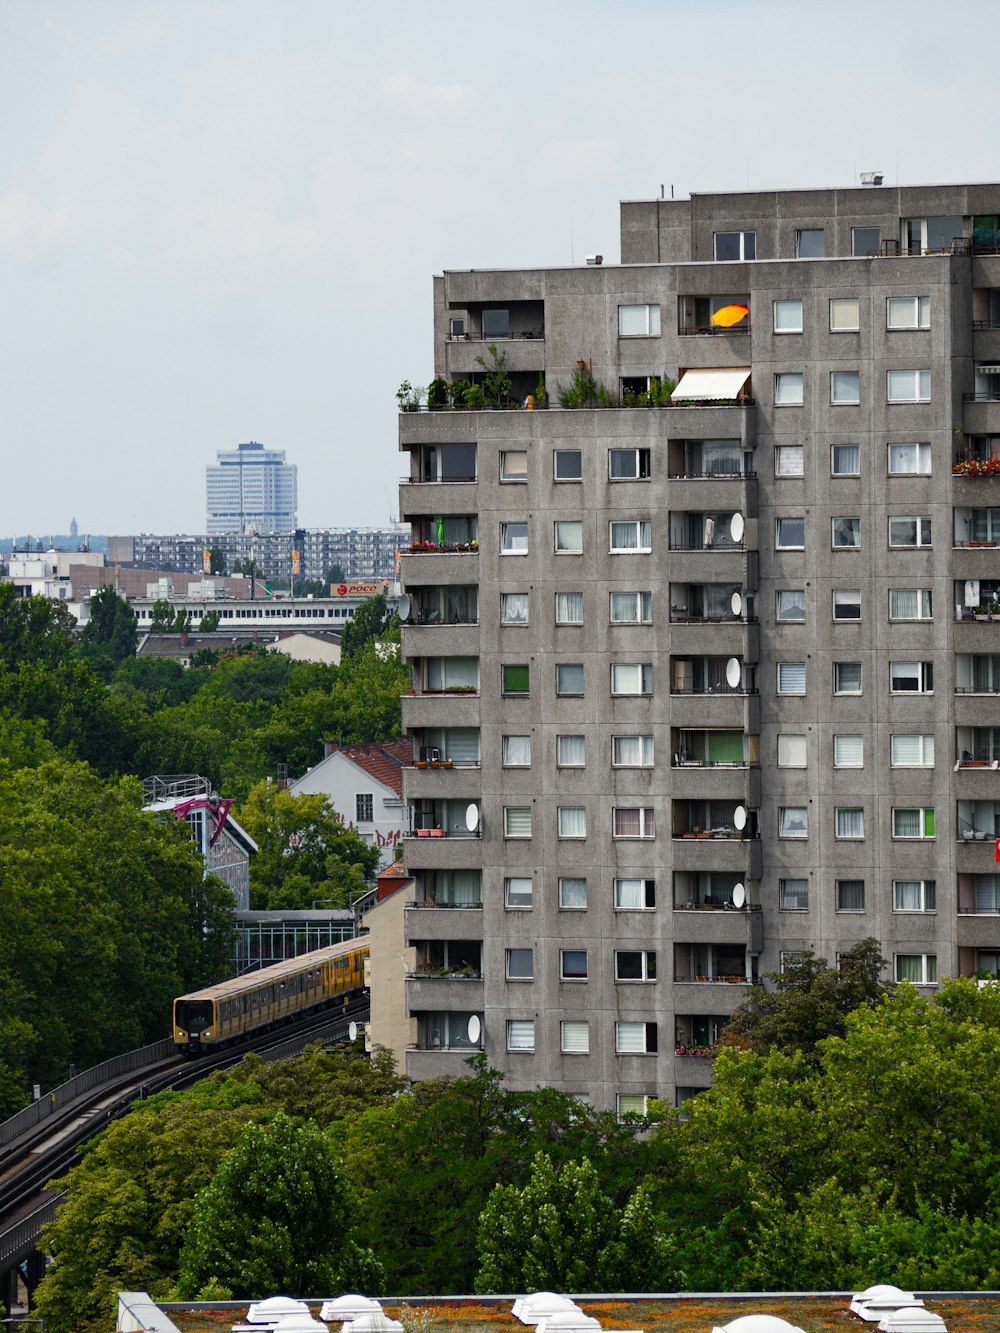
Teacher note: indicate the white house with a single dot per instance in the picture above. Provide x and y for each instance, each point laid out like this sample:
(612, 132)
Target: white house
(364, 784)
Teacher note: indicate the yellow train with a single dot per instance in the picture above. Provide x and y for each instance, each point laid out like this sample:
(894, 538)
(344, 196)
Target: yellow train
(207, 1019)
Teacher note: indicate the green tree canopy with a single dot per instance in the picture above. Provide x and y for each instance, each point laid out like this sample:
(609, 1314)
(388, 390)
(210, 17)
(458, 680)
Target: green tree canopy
(33, 630)
(307, 854)
(370, 621)
(276, 1216)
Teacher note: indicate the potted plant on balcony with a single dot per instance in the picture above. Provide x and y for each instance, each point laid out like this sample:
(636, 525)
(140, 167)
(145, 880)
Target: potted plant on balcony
(408, 397)
(437, 395)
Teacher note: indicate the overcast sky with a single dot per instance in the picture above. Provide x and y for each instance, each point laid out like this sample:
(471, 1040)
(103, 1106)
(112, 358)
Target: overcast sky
(219, 218)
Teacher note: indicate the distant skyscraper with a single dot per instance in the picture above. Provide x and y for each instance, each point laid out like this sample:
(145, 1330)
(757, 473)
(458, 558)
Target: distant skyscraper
(74, 528)
(251, 489)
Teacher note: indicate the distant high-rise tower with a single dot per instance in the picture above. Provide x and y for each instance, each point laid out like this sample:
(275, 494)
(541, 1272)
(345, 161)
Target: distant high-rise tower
(74, 528)
(251, 489)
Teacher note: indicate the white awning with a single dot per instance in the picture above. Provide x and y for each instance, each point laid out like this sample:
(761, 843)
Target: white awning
(711, 384)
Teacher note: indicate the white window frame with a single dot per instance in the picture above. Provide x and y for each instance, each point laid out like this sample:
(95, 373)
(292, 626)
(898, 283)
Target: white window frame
(569, 477)
(643, 464)
(838, 885)
(642, 608)
(645, 889)
(636, 1037)
(924, 455)
(507, 534)
(563, 530)
(572, 879)
(508, 957)
(574, 976)
(844, 754)
(925, 749)
(509, 892)
(520, 1034)
(788, 821)
(645, 680)
(574, 811)
(783, 618)
(561, 759)
(845, 599)
(840, 819)
(516, 478)
(923, 811)
(793, 750)
(574, 1036)
(648, 315)
(923, 532)
(779, 545)
(647, 822)
(844, 472)
(840, 385)
(800, 232)
(509, 822)
(789, 388)
(920, 674)
(564, 618)
(926, 895)
(507, 750)
(785, 456)
(838, 688)
(648, 967)
(643, 530)
(924, 599)
(854, 530)
(787, 903)
(743, 257)
(896, 388)
(915, 312)
(928, 968)
(561, 691)
(645, 749)
(784, 670)
(780, 328)
(842, 304)
(504, 618)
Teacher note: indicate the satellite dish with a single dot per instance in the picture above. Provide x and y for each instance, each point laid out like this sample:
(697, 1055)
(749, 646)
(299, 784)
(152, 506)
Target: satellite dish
(472, 817)
(404, 607)
(475, 1029)
(740, 817)
(736, 602)
(733, 672)
(352, 1030)
(737, 527)
(739, 895)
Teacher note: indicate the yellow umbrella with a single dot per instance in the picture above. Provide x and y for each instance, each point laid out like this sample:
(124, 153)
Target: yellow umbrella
(729, 315)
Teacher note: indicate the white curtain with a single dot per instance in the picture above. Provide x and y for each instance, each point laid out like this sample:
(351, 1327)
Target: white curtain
(572, 821)
(630, 1038)
(569, 608)
(517, 751)
(571, 751)
(850, 823)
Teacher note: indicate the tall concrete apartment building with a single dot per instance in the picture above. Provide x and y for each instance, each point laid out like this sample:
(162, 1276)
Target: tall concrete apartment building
(706, 675)
(251, 489)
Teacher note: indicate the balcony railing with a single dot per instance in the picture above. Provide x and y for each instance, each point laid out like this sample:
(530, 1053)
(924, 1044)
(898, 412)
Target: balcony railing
(699, 544)
(739, 690)
(451, 907)
(700, 1052)
(729, 979)
(679, 616)
(715, 904)
(711, 476)
(421, 973)
(610, 406)
(977, 468)
(709, 330)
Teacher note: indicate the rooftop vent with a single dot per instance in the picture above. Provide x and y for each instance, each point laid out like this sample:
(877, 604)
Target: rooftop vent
(871, 178)
(595, 259)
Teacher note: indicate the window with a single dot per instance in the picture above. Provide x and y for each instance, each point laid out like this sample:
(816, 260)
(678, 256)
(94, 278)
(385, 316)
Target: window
(520, 964)
(569, 678)
(791, 751)
(847, 677)
(515, 678)
(574, 1037)
(790, 534)
(444, 673)
(909, 460)
(572, 893)
(631, 678)
(865, 241)
(633, 1038)
(638, 321)
(517, 751)
(845, 387)
(847, 604)
(908, 386)
(850, 895)
(845, 460)
(572, 821)
(909, 532)
(364, 811)
(631, 608)
(846, 533)
(791, 677)
(849, 822)
(912, 822)
(633, 1103)
(793, 821)
(569, 608)
(514, 608)
(635, 965)
(496, 323)
(567, 464)
(911, 751)
(514, 465)
(517, 821)
(788, 316)
(568, 537)
(790, 604)
(789, 460)
(514, 538)
(910, 604)
(911, 677)
(810, 243)
(632, 751)
(573, 964)
(634, 535)
(629, 464)
(845, 314)
(735, 245)
(914, 895)
(920, 969)
(517, 891)
(635, 895)
(520, 1034)
(570, 751)
(788, 390)
(848, 752)
(793, 895)
(987, 893)
(908, 312)
(633, 822)
(789, 958)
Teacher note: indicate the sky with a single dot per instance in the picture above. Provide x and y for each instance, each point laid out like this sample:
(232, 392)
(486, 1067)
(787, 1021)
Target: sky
(219, 219)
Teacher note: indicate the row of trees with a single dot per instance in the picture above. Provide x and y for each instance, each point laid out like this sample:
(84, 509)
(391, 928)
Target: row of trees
(105, 912)
(875, 1158)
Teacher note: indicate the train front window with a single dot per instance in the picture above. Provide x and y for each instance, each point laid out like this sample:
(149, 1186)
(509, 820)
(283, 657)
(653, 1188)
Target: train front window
(194, 1015)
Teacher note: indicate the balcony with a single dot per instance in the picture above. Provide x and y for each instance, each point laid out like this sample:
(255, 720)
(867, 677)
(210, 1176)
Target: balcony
(711, 964)
(710, 604)
(713, 749)
(705, 891)
(713, 316)
(977, 673)
(445, 922)
(977, 600)
(446, 1031)
(713, 821)
(978, 822)
(442, 819)
(430, 709)
(456, 604)
(722, 531)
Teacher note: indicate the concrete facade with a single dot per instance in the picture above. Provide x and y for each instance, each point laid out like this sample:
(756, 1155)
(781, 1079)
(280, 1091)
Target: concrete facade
(799, 702)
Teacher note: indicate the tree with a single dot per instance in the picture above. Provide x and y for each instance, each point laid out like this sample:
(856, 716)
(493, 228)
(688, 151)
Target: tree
(33, 630)
(216, 561)
(370, 621)
(109, 636)
(276, 1216)
(306, 853)
(809, 1001)
(209, 622)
